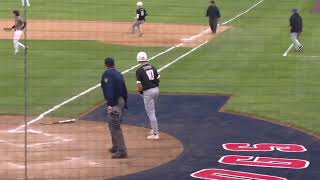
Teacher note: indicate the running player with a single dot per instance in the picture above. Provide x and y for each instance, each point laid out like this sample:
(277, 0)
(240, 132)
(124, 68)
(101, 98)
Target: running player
(140, 18)
(18, 28)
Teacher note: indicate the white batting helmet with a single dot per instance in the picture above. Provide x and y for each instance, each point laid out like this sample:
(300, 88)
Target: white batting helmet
(142, 57)
(139, 3)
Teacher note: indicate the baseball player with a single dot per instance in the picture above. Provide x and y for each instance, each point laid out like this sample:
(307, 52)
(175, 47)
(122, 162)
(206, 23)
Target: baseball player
(18, 28)
(116, 94)
(140, 18)
(296, 29)
(148, 85)
(25, 3)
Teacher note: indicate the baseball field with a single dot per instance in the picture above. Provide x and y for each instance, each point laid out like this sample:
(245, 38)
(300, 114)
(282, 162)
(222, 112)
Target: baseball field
(248, 59)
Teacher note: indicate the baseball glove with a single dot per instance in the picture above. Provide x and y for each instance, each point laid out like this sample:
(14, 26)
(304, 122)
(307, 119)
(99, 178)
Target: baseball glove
(7, 29)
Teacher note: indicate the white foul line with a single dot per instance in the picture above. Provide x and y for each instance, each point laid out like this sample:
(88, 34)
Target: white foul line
(184, 55)
(224, 23)
(85, 92)
(288, 50)
(245, 12)
(133, 67)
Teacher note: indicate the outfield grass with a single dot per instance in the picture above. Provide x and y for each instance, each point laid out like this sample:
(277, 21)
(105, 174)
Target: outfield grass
(246, 61)
(169, 11)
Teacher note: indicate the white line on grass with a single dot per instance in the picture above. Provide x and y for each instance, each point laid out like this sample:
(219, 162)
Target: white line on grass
(182, 56)
(245, 12)
(85, 92)
(133, 67)
(224, 23)
(288, 50)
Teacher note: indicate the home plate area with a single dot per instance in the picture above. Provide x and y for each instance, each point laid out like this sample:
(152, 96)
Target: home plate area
(221, 145)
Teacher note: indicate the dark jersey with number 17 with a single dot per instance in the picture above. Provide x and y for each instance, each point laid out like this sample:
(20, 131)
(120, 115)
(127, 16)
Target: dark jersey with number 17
(148, 76)
(142, 13)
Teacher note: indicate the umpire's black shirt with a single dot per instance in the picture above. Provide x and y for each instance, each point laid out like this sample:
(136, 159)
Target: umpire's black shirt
(148, 76)
(213, 12)
(296, 23)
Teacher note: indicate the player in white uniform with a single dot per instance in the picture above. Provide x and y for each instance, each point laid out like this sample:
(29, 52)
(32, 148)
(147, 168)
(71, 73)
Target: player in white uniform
(18, 28)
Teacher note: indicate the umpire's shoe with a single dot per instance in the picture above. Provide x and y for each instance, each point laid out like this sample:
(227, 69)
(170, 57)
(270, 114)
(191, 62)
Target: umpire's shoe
(119, 155)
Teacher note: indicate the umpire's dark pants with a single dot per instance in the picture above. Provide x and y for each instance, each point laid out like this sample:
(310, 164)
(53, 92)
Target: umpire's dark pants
(115, 120)
(213, 22)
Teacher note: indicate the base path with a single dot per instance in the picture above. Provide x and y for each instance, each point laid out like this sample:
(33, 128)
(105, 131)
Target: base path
(78, 150)
(155, 34)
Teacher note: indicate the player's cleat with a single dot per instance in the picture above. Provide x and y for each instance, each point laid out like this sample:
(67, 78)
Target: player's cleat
(140, 35)
(119, 155)
(300, 48)
(153, 137)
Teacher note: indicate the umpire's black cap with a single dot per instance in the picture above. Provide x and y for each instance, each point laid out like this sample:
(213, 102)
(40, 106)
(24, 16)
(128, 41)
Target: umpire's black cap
(213, 2)
(109, 61)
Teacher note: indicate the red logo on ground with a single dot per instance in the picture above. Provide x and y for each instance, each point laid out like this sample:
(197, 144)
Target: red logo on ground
(222, 174)
(264, 162)
(264, 147)
(270, 162)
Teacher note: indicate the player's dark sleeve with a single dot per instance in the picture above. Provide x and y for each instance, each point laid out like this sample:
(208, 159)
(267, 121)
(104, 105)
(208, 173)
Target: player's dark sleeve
(292, 21)
(104, 85)
(110, 92)
(208, 11)
(138, 75)
(218, 12)
(145, 13)
(13, 26)
(139, 78)
(157, 76)
(108, 88)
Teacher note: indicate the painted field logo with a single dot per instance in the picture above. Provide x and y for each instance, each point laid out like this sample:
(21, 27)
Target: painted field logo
(222, 174)
(265, 162)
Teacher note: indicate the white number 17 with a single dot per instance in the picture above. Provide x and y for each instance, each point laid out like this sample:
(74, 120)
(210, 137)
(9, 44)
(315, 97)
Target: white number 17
(150, 74)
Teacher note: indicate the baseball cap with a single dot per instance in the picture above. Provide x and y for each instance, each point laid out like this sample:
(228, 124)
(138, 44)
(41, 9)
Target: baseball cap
(139, 3)
(294, 10)
(109, 61)
(142, 57)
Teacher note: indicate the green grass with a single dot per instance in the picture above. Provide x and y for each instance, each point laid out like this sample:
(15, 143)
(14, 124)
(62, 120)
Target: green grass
(246, 61)
(172, 11)
(57, 72)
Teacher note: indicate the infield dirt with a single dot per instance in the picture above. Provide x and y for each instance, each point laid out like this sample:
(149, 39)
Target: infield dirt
(155, 34)
(77, 150)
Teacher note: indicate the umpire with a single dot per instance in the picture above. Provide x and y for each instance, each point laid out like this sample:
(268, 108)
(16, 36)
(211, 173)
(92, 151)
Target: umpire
(296, 29)
(116, 94)
(213, 13)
